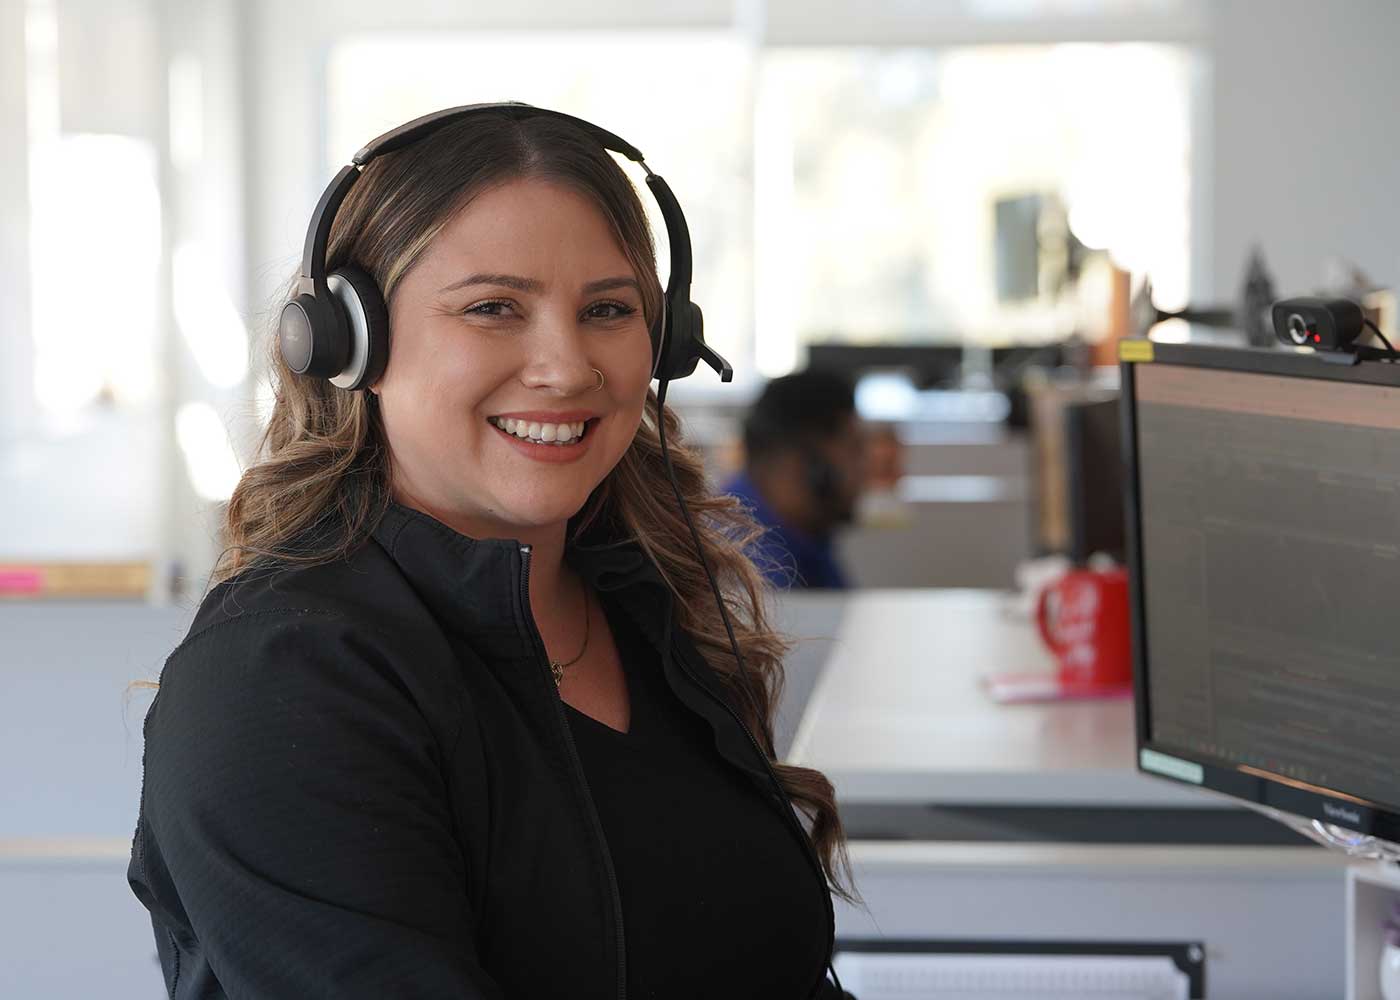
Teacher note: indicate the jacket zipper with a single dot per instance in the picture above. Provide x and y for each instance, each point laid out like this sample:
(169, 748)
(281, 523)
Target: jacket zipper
(578, 770)
(809, 848)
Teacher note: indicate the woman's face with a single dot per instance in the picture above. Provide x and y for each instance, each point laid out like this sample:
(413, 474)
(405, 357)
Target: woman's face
(495, 335)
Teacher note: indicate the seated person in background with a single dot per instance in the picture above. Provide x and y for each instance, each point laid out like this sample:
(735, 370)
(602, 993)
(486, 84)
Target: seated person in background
(804, 467)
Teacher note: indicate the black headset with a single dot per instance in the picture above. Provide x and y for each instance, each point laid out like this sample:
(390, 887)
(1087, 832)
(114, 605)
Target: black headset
(337, 326)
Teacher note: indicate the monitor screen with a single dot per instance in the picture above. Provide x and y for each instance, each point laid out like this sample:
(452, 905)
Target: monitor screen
(1265, 501)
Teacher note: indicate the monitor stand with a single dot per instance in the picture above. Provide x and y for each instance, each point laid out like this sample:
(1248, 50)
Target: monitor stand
(1361, 846)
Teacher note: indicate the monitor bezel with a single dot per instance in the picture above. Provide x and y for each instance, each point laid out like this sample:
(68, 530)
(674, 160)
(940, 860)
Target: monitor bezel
(1328, 805)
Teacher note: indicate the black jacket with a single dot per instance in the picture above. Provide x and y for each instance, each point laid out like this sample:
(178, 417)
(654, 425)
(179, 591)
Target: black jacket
(426, 819)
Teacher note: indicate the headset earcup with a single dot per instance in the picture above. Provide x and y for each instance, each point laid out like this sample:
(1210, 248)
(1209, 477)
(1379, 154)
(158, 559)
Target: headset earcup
(312, 337)
(360, 300)
(694, 337)
(659, 340)
(679, 353)
(673, 329)
(697, 331)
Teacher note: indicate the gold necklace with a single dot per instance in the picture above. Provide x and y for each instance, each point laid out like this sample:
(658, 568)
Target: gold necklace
(555, 667)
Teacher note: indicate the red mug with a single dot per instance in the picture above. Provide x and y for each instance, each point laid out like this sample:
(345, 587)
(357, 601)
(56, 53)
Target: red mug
(1083, 618)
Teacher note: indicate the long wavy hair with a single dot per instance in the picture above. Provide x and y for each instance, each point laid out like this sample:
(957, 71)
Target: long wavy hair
(323, 459)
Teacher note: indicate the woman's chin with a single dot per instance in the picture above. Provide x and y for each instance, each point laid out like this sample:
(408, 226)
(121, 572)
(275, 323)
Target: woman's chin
(526, 519)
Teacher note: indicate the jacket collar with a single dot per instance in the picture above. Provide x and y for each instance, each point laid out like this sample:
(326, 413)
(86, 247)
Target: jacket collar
(473, 585)
(475, 589)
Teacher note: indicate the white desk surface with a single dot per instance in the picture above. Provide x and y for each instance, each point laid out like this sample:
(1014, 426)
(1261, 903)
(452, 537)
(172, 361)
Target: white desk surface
(899, 715)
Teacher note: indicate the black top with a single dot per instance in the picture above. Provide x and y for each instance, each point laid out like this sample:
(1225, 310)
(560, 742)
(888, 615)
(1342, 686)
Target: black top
(715, 901)
(360, 782)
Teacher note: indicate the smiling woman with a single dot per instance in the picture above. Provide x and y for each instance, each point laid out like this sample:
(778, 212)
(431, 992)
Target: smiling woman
(521, 339)
(459, 716)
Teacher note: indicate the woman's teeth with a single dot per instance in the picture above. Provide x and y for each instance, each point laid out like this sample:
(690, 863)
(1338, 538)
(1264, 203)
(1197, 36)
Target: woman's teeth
(541, 433)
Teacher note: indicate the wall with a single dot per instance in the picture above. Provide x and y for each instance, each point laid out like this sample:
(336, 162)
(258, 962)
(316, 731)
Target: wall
(16, 383)
(1305, 140)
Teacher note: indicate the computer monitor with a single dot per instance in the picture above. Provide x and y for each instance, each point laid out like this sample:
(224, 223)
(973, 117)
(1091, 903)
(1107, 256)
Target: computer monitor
(1067, 446)
(1264, 556)
(1094, 477)
(1017, 246)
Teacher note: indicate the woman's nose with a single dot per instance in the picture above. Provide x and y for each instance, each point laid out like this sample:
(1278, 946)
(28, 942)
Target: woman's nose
(556, 360)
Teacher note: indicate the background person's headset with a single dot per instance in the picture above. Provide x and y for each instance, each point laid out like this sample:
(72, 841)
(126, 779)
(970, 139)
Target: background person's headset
(337, 326)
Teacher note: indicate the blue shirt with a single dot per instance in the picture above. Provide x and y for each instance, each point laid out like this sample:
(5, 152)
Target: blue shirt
(786, 556)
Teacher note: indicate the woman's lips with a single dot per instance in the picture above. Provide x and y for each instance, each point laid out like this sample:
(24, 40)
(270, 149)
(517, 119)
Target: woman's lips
(551, 452)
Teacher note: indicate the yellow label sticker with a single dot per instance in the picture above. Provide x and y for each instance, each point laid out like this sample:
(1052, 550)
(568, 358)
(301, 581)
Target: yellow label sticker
(1135, 350)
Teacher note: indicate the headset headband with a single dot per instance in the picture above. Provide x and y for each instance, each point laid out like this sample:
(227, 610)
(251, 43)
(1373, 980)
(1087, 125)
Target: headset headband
(313, 261)
(312, 336)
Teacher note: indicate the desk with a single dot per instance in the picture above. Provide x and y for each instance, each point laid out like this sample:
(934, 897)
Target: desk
(899, 715)
(70, 788)
(1272, 918)
(897, 718)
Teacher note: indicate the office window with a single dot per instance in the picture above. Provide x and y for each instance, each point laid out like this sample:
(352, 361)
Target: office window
(95, 251)
(951, 194)
(850, 193)
(80, 436)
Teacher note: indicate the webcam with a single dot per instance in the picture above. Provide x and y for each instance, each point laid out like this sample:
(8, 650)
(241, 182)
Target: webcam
(1323, 324)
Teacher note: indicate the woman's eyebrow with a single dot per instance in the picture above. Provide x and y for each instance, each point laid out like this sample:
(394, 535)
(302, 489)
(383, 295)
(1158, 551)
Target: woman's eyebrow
(608, 284)
(520, 284)
(506, 280)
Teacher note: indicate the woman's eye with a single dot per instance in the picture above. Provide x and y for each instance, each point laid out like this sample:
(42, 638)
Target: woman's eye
(494, 307)
(608, 310)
